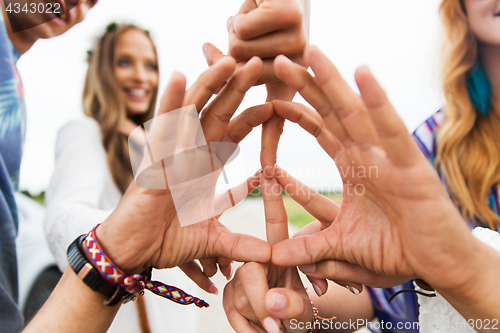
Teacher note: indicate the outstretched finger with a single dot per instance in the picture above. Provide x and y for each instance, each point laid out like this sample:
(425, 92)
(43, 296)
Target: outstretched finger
(299, 79)
(347, 105)
(319, 206)
(240, 247)
(244, 123)
(271, 133)
(276, 218)
(312, 122)
(216, 116)
(305, 250)
(173, 97)
(393, 133)
(209, 82)
(234, 196)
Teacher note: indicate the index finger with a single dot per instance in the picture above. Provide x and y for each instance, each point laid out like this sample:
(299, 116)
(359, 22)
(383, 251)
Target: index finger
(319, 206)
(217, 115)
(304, 250)
(209, 82)
(276, 218)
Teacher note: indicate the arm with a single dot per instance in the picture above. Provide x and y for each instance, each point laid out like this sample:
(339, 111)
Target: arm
(144, 229)
(74, 197)
(403, 224)
(72, 307)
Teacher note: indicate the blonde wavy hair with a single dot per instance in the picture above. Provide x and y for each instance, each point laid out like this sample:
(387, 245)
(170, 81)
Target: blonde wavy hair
(468, 154)
(101, 101)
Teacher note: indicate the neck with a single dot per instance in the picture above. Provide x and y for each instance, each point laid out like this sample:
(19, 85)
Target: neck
(21, 40)
(490, 59)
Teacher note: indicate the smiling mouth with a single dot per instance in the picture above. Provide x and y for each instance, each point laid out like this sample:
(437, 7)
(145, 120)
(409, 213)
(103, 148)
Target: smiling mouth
(137, 93)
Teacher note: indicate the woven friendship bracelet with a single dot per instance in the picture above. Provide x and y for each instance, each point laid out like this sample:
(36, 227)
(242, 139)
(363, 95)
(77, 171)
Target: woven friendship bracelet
(134, 284)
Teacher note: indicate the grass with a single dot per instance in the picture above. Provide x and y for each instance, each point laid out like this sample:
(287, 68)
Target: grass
(40, 197)
(297, 215)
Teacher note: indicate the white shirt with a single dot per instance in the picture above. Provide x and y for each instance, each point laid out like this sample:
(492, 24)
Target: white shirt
(437, 315)
(81, 195)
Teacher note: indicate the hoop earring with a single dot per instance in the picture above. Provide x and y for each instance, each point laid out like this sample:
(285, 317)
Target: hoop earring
(479, 88)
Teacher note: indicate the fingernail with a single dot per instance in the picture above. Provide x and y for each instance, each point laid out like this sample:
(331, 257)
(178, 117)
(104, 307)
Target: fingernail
(231, 274)
(270, 325)
(230, 18)
(213, 289)
(353, 290)
(308, 268)
(204, 48)
(317, 290)
(279, 302)
(258, 172)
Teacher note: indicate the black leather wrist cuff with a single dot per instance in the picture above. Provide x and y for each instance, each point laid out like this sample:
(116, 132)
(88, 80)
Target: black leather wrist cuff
(90, 276)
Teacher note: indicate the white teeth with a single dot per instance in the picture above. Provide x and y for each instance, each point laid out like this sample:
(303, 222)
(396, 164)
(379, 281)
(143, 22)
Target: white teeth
(138, 92)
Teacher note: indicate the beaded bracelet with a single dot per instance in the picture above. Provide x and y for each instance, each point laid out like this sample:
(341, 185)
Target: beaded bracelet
(134, 284)
(316, 318)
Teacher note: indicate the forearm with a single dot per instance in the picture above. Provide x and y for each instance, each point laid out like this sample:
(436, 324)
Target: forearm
(340, 303)
(479, 299)
(73, 307)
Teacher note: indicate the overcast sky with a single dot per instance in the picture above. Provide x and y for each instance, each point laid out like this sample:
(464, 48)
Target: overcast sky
(399, 40)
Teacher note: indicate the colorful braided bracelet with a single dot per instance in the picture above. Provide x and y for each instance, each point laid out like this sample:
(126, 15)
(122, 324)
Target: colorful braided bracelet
(134, 284)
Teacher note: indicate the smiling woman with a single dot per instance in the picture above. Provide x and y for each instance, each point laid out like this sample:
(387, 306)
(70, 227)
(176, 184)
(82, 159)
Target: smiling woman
(120, 92)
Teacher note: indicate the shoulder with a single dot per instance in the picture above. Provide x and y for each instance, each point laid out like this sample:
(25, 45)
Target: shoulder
(81, 135)
(426, 135)
(83, 128)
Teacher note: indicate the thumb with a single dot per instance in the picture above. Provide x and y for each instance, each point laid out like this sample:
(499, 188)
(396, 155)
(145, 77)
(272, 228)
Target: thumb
(284, 303)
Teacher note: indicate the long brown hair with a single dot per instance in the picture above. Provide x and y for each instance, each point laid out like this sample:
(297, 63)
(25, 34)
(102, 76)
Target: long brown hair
(468, 153)
(101, 102)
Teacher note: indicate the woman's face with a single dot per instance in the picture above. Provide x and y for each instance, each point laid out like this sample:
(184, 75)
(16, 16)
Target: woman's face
(136, 71)
(484, 19)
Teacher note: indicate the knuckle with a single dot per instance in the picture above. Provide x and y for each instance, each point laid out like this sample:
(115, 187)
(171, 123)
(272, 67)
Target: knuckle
(236, 48)
(242, 29)
(241, 302)
(291, 15)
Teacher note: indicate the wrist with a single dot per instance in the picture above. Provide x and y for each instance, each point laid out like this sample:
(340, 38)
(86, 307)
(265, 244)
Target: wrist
(133, 234)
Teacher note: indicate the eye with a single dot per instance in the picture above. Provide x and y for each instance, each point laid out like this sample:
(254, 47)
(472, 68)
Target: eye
(123, 63)
(152, 67)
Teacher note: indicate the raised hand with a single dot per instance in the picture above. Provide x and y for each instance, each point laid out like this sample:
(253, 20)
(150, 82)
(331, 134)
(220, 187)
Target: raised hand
(265, 295)
(386, 218)
(144, 229)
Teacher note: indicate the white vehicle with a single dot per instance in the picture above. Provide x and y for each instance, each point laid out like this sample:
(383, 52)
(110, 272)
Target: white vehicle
(38, 272)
